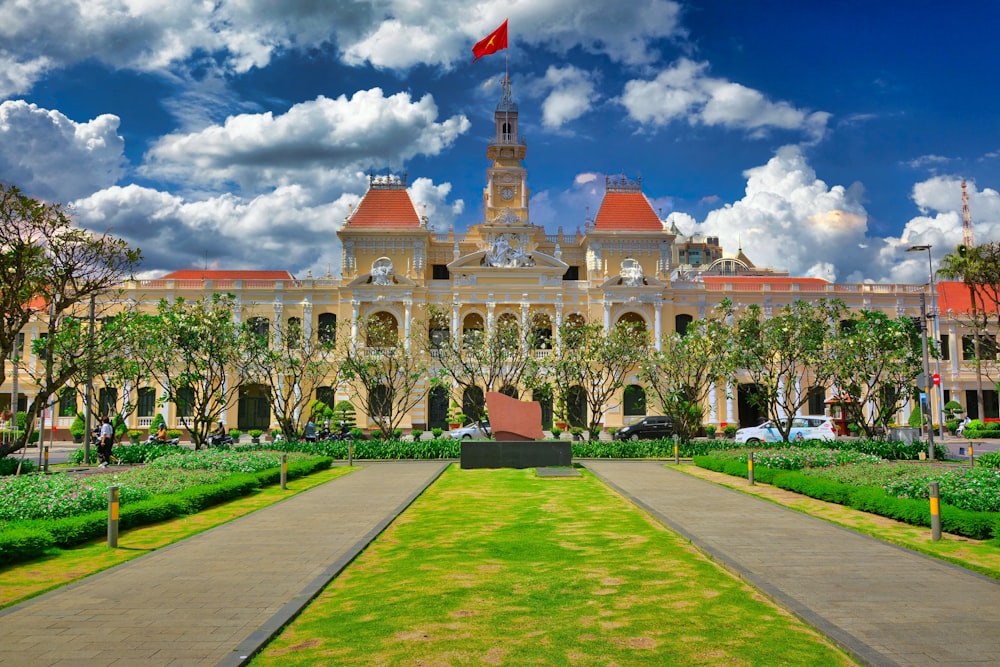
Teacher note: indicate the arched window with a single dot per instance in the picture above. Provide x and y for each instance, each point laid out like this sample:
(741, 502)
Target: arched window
(634, 403)
(472, 329)
(325, 395)
(381, 401)
(572, 330)
(681, 323)
(327, 330)
(382, 329)
(293, 332)
(261, 326)
(508, 390)
(541, 331)
(633, 319)
(473, 403)
(576, 406)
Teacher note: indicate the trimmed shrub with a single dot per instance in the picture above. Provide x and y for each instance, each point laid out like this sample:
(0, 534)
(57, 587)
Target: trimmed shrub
(9, 464)
(19, 543)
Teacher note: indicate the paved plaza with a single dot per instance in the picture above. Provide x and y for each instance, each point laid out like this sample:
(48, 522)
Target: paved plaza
(217, 597)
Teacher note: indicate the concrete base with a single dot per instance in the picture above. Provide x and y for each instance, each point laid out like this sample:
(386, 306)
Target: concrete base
(508, 454)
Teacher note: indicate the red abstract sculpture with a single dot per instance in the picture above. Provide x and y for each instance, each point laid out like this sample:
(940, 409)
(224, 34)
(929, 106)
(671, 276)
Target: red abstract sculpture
(514, 420)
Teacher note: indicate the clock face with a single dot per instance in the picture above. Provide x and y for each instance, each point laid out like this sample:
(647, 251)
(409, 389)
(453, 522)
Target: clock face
(507, 193)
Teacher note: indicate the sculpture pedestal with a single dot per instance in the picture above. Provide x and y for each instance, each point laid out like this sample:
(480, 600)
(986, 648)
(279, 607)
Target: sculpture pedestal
(517, 454)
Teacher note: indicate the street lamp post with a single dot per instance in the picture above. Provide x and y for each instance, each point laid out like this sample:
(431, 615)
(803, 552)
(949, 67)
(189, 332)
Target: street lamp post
(928, 384)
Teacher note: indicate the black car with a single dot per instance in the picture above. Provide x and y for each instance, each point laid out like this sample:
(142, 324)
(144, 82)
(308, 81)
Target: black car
(647, 428)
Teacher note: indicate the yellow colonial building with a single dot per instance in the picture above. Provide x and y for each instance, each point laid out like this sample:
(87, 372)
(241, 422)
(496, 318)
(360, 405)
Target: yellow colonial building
(626, 264)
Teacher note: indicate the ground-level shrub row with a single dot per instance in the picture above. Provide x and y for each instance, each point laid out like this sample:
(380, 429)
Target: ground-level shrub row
(23, 540)
(975, 525)
(446, 448)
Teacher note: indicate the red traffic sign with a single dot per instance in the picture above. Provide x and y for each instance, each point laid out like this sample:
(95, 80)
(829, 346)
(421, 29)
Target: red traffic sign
(937, 379)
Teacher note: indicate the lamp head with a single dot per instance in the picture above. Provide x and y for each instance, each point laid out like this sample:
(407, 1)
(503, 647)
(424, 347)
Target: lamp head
(918, 248)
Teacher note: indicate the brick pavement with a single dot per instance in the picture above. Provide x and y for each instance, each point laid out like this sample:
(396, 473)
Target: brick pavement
(216, 597)
(884, 604)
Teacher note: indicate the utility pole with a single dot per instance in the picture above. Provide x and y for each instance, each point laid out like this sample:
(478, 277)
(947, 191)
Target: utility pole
(926, 382)
(90, 383)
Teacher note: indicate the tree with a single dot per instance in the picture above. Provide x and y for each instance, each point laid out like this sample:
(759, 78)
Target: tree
(776, 352)
(385, 372)
(49, 269)
(291, 369)
(680, 374)
(200, 356)
(495, 360)
(597, 361)
(873, 363)
(979, 268)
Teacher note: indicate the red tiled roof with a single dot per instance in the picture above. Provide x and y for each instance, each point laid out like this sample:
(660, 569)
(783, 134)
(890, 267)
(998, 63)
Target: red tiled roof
(390, 208)
(200, 274)
(627, 212)
(954, 296)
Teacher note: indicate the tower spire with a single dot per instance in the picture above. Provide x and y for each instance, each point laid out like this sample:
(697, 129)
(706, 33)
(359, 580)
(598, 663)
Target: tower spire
(967, 239)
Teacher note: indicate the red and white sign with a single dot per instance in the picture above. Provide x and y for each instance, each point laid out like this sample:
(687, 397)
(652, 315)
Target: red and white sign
(937, 379)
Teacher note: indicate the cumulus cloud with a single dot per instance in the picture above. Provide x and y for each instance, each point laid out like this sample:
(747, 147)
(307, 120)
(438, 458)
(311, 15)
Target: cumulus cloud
(52, 157)
(569, 93)
(44, 35)
(283, 229)
(313, 142)
(685, 92)
(791, 220)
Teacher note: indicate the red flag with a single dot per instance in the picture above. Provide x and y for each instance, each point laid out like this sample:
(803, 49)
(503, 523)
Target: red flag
(492, 43)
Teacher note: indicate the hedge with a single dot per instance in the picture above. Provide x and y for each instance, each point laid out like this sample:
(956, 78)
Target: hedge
(23, 540)
(975, 525)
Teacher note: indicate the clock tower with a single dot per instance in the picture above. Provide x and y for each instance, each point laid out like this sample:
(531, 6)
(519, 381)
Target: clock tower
(505, 199)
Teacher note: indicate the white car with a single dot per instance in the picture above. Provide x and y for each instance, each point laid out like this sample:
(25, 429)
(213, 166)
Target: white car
(818, 427)
(473, 431)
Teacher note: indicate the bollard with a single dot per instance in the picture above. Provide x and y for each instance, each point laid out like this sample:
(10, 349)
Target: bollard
(284, 472)
(113, 517)
(750, 467)
(45, 466)
(935, 512)
(677, 458)
(972, 461)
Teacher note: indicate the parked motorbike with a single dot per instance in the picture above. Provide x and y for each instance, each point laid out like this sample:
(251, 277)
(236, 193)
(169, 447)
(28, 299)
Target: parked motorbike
(152, 440)
(224, 441)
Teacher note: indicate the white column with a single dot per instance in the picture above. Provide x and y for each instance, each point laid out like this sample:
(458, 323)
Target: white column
(730, 404)
(607, 316)
(713, 408)
(278, 324)
(658, 324)
(490, 308)
(407, 317)
(456, 330)
(524, 322)
(355, 315)
(558, 322)
(307, 324)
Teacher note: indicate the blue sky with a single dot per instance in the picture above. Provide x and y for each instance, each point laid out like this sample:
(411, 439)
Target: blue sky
(822, 138)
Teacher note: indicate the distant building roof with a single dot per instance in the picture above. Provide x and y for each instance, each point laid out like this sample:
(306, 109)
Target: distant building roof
(204, 274)
(953, 296)
(625, 208)
(386, 204)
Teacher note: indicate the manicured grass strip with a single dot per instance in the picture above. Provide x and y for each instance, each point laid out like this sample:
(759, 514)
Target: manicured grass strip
(981, 556)
(26, 580)
(504, 567)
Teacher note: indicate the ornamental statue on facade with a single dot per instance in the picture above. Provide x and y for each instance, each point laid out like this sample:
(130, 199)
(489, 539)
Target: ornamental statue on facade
(382, 271)
(504, 254)
(631, 273)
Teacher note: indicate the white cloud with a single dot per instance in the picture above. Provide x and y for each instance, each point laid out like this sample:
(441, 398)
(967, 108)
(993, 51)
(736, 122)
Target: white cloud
(42, 35)
(684, 91)
(320, 142)
(52, 157)
(791, 220)
(571, 92)
(432, 200)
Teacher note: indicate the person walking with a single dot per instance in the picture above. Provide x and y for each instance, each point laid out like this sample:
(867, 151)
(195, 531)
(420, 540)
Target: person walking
(309, 433)
(105, 442)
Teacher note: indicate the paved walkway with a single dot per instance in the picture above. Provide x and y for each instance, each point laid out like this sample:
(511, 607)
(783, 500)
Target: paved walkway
(884, 604)
(217, 597)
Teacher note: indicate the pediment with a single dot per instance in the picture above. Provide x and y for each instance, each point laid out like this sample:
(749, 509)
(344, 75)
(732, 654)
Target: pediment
(371, 280)
(477, 261)
(636, 283)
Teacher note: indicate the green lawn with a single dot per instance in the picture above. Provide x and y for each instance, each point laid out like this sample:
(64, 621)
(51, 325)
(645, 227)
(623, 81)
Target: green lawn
(503, 567)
